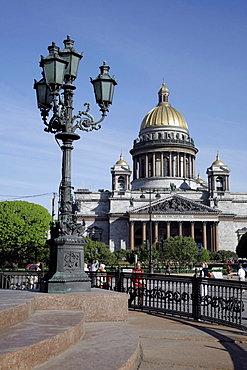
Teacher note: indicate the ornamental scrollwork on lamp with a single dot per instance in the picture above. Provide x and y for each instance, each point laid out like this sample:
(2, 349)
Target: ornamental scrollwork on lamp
(87, 124)
(71, 261)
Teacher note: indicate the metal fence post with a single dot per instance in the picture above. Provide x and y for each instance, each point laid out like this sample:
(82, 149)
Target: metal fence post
(119, 280)
(196, 297)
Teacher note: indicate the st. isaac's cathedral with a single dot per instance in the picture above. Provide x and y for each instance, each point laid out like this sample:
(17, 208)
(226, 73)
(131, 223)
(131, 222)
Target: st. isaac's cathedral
(165, 196)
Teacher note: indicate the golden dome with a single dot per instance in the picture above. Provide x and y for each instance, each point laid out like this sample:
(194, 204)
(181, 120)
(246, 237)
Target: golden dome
(218, 162)
(164, 114)
(121, 160)
(199, 179)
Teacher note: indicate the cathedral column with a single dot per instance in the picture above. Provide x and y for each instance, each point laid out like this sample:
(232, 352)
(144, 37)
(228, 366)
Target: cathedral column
(144, 232)
(162, 164)
(154, 166)
(168, 229)
(156, 231)
(216, 228)
(134, 168)
(132, 239)
(146, 165)
(189, 166)
(192, 225)
(180, 228)
(204, 235)
(178, 167)
(170, 164)
(212, 237)
(185, 166)
(193, 167)
(137, 168)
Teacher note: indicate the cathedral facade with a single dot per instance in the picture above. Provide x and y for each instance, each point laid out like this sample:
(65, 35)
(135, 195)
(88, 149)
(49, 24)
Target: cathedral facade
(165, 197)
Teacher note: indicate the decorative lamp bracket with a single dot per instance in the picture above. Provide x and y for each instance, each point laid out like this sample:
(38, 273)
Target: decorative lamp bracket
(88, 123)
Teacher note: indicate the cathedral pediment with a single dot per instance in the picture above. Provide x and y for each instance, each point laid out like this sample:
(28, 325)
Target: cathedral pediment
(175, 204)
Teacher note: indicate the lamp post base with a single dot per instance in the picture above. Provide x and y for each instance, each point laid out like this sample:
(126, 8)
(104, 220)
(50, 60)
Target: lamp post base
(64, 283)
(66, 273)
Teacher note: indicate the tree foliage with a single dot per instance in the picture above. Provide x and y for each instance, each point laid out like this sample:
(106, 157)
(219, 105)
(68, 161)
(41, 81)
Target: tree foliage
(181, 249)
(23, 228)
(204, 256)
(125, 255)
(223, 256)
(241, 249)
(94, 250)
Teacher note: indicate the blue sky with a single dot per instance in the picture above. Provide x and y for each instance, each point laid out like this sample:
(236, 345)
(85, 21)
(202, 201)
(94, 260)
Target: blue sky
(197, 47)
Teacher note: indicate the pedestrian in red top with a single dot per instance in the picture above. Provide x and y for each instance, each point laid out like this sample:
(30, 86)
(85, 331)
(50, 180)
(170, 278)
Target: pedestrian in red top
(137, 280)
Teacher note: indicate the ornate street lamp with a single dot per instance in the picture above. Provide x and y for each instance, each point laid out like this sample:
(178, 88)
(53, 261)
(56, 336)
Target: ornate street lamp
(59, 70)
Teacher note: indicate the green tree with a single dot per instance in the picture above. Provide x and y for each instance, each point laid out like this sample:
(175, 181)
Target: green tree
(223, 256)
(125, 255)
(181, 248)
(204, 256)
(121, 254)
(241, 249)
(23, 231)
(143, 253)
(94, 250)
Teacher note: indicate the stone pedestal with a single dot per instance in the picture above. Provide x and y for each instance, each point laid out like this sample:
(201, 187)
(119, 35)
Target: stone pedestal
(66, 271)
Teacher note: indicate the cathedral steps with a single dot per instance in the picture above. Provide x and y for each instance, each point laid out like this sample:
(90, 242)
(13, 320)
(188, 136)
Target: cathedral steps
(34, 334)
(40, 338)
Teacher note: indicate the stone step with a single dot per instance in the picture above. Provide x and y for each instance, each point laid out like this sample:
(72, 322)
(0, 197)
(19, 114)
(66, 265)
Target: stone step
(77, 331)
(40, 338)
(105, 346)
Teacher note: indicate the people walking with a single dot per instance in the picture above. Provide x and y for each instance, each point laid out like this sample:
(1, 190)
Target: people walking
(137, 281)
(204, 274)
(241, 273)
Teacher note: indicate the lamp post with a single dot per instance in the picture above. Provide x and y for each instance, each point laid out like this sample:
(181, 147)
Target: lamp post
(59, 70)
(150, 192)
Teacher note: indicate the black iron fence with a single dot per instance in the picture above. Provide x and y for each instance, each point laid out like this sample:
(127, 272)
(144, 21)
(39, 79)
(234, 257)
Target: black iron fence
(20, 280)
(221, 301)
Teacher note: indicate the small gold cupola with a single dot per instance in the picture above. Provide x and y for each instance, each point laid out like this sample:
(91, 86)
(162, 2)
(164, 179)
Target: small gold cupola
(121, 160)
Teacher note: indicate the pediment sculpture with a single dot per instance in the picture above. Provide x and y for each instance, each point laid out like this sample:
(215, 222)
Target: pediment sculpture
(176, 205)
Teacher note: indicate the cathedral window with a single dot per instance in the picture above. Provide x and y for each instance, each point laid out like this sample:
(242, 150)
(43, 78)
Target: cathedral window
(121, 183)
(166, 166)
(150, 167)
(174, 166)
(219, 183)
(158, 165)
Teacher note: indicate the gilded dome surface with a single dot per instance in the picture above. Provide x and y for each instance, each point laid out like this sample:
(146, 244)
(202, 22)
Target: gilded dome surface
(121, 160)
(199, 179)
(218, 162)
(164, 114)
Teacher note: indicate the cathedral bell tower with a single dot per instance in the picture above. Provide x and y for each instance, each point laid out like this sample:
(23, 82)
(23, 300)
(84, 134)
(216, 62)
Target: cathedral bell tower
(121, 173)
(218, 178)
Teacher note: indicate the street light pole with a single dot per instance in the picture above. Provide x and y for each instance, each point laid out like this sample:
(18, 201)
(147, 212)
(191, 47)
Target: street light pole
(150, 192)
(59, 70)
(151, 269)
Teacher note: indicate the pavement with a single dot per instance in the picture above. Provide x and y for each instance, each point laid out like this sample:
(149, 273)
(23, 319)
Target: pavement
(174, 343)
(171, 343)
